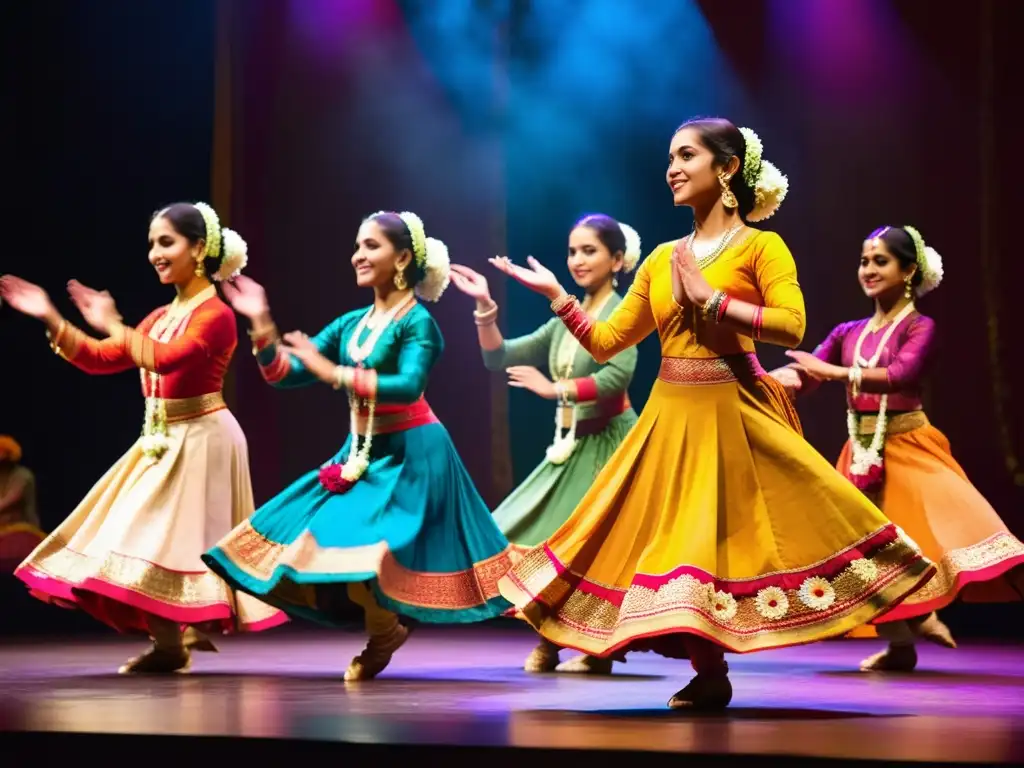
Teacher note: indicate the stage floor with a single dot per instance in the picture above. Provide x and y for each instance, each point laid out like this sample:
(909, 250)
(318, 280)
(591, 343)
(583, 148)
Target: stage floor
(465, 686)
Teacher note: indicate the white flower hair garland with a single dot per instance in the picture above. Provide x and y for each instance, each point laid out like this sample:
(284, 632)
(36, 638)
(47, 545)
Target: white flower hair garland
(223, 243)
(632, 254)
(770, 185)
(928, 261)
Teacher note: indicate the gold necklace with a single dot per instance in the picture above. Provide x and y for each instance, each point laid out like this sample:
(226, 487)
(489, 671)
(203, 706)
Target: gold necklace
(723, 241)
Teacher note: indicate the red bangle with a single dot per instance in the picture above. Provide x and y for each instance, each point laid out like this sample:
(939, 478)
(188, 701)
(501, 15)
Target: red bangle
(757, 323)
(721, 309)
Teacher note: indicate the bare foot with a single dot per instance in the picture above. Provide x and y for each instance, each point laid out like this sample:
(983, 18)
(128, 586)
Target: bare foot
(586, 665)
(543, 658)
(377, 654)
(895, 658)
(705, 693)
(157, 661)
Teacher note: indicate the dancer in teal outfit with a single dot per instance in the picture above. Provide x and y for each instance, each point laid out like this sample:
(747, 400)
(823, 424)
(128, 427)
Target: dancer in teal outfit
(393, 520)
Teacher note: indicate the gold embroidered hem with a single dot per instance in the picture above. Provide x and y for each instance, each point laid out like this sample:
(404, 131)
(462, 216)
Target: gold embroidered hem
(304, 562)
(572, 612)
(970, 573)
(58, 574)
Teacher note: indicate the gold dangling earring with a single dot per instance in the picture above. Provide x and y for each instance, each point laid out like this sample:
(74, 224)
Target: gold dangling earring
(728, 198)
(200, 260)
(908, 291)
(400, 282)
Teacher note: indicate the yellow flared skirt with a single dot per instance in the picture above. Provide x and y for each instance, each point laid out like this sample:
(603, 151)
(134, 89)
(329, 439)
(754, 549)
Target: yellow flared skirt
(716, 518)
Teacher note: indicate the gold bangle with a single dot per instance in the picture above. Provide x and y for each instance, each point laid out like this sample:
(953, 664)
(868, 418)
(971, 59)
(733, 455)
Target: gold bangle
(488, 316)
(257, 336)
(270, 330)
(490, 310)
(344, 377)
(55, 338)
(116, 330)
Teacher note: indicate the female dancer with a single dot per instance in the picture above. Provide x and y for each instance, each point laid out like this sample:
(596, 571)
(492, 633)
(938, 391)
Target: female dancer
(393, 519)
(593, 412)
(129, 554)
(895, 455)
(715, 526)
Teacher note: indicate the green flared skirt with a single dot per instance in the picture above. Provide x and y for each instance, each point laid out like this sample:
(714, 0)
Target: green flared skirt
(544, 501)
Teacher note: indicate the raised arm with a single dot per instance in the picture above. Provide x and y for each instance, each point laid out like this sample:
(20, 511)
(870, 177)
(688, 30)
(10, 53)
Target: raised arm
(531, 349)
(210, 331)
(829, 352)
(629, 324)
(91, 355)
(286, 371)
(421, 345)
(903, 372)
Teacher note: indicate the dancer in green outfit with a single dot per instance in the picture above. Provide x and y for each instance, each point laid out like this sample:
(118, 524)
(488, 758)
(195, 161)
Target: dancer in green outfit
(593, 413)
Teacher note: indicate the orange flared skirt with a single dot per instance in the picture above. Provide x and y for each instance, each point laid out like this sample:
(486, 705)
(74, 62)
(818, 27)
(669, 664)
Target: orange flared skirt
(928, 495)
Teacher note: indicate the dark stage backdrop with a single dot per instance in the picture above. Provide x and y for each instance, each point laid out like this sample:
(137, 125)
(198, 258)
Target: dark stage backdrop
(499, 124)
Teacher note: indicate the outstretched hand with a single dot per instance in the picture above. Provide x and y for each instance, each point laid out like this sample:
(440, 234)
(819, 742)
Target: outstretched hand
(246, 297)
(97, 307)
(815, 367)
(25, 297)
(537, 278)
(789, 377)
(298, 345)
(471, 283)
(527, 377)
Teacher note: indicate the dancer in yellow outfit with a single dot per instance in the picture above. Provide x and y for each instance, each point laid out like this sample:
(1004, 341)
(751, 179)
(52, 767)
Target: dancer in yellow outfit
(715, 526)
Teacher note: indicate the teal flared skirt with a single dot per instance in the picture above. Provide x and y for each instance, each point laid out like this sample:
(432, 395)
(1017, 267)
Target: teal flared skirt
(413, 527)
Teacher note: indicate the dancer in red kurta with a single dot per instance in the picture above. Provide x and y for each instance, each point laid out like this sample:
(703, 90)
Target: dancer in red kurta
(130, 553)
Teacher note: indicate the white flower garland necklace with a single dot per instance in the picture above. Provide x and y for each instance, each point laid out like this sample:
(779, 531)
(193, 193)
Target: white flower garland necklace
(359, 456)
(864, 458)
(154, 424)
(563, 445)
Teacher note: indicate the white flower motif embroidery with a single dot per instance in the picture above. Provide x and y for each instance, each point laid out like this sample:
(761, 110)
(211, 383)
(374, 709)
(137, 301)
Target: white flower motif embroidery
(863, 569)
(772, 603)
(817, 593)
(723, 605)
